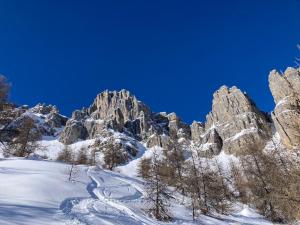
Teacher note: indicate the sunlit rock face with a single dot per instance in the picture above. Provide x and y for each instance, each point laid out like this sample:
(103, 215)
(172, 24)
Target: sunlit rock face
(45, 119)
(285, 89)
(234, 125)
(122, 112)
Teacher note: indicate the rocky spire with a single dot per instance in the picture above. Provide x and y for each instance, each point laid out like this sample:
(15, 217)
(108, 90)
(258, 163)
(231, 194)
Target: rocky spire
(234, 124)
(122, 112)
(122, 105)
(286, 115)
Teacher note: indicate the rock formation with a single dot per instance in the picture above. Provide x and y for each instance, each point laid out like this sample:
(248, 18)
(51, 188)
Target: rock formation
(234, 124)
(46, 119)
(197, 130)
(286, 115)
(122, 112)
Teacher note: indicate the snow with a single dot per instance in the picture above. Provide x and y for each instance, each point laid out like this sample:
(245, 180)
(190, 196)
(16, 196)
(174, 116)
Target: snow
(242, 133)
(98, 121)
(181, 140)
(206, 146)
(225, 160)
(31, 191)
(247, 212)
(37, 192)
(50, 147)
(282, 101)
(130, 169)
(208, 130)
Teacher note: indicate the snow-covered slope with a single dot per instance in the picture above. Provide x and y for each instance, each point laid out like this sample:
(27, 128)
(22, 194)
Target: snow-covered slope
(32, 191)
(37, 192)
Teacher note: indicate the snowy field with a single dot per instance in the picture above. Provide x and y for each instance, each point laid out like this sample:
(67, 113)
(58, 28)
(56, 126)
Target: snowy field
(38, 192)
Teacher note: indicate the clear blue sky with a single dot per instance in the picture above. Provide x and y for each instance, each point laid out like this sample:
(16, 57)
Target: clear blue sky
(171, 54)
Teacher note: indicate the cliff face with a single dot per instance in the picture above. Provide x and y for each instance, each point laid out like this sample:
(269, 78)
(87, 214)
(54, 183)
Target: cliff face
(234, 124)
(122, 112)
(46, 119)
(285, 89)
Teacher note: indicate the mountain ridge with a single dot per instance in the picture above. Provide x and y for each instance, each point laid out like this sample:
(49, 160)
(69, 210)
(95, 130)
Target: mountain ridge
(234, 116)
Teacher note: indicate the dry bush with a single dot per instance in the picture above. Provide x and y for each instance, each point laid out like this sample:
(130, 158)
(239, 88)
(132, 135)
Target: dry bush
(82, 157)
(4, 89)
(206, 186)
(270, 186)
(144, 168)
(66, 155)
(25, 142)
(157, 192)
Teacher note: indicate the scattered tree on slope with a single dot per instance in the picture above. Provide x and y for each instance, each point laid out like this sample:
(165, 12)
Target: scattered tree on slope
(4, 89)
(268, 184)
(25, 142)
(158, 194)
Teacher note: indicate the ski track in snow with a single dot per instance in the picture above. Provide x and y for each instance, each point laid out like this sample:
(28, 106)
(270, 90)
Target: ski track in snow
(111, 191)
(37, 192)
(108, 193)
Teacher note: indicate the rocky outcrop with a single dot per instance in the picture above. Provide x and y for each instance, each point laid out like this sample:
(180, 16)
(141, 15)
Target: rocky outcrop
(162, 141)
(286, 115)
(74, 131)
(234, 124)
(107, 102)
(45, 118)
(178, 129)
(197, 130)
(119, 111)
(8, 115)
(122, 112)
(120, 107)
(56, 120)
(211, 143)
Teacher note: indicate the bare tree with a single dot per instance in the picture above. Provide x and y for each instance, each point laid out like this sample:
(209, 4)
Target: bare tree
(272, 187)
(206, 186)
(6, 148)
(66, 155)
(239, 182)
(113, 154)
(94, 152)
(4, 89)
(144, 168)
(257, 169)
(297, 59)
(158, 194)
(193, 187)
(25, 142)
(176, 162)
(72, 172)
(82, 157)
(218, 191)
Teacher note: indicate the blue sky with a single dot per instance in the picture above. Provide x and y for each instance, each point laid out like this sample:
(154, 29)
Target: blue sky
(171, 54)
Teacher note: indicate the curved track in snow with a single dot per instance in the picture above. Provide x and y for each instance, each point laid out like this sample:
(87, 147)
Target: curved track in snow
(38, 192)
(107, 205)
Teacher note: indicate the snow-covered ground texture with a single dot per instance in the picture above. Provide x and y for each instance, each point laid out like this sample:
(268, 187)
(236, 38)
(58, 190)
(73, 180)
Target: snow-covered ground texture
(36, 192)
(32, 191)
